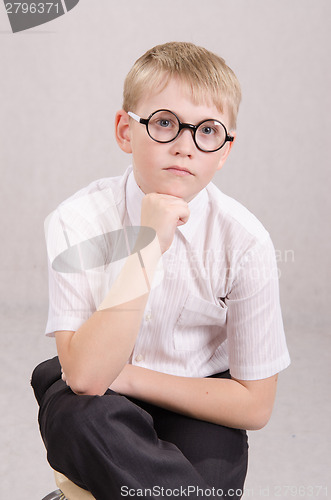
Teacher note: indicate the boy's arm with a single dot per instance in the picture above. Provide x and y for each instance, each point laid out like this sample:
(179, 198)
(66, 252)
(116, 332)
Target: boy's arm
(94, 355)
(243, 404)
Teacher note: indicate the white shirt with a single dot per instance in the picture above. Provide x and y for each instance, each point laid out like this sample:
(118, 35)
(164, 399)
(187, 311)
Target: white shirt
(216, 307)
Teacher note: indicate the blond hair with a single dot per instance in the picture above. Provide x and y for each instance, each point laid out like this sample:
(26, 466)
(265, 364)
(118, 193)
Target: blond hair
(206, 75)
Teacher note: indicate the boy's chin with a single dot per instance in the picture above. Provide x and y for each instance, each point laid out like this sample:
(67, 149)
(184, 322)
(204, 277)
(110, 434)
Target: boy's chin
(186, 196)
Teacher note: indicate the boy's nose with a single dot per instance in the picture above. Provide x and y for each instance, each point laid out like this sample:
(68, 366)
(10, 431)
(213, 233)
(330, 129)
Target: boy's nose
(184, 143)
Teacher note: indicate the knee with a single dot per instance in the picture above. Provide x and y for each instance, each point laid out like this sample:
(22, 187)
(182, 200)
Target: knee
(68, 420)
(73, 411)
(44, 375)
(74, 415)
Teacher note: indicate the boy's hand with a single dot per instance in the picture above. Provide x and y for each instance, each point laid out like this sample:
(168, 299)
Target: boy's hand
(63, 376)
(164, 212)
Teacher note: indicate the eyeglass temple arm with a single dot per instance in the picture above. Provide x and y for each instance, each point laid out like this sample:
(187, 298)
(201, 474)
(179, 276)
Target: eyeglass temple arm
(137, 118)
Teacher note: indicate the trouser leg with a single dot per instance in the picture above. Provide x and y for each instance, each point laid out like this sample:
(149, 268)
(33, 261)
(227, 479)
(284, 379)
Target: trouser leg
(105, 443)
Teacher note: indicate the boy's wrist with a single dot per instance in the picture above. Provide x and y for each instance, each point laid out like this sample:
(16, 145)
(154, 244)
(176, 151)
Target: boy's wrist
(135, 279)
(125, 382)
(130, 285)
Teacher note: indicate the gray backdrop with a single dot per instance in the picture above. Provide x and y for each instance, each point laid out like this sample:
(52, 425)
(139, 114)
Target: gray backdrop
(60, 86)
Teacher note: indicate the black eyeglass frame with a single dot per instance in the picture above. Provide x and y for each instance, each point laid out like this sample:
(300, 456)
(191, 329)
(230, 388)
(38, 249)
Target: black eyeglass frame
(190, 126)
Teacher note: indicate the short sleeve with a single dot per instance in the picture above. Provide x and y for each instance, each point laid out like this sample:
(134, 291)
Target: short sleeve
(70, 298)
(70, 301)
(78, 255)
(256, 339)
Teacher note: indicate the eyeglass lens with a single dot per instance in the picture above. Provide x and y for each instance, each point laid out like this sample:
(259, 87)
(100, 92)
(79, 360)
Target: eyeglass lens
(163, 126)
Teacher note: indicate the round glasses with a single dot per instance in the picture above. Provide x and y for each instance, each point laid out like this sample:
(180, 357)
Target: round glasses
(165, 126)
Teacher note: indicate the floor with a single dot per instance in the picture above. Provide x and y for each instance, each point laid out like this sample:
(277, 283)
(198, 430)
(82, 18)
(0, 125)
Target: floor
(288, 458)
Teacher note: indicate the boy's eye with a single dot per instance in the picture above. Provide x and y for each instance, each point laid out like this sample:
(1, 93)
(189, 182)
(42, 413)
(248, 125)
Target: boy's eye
(164, 123)
(207, 130)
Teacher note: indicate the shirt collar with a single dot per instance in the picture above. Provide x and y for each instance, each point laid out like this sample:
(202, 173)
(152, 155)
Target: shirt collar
(134, 198)
(197, 206)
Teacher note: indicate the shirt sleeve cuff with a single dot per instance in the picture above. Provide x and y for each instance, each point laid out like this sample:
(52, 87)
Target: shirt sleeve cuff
(70, 323)
(262, 371)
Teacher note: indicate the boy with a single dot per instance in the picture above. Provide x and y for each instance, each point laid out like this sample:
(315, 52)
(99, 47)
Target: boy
(163, 368)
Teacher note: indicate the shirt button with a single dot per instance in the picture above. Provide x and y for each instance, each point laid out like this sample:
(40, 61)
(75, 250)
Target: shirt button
(148, 316)
(139, 358)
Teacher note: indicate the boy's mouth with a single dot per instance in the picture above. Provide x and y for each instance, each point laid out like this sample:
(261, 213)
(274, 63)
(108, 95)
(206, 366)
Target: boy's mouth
(178, 170)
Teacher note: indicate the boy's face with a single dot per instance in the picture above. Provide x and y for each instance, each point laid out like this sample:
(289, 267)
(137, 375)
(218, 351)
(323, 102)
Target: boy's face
(156, 166)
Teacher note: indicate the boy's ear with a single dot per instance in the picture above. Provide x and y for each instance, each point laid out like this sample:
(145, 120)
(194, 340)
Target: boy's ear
(226, 150)
(122, 131)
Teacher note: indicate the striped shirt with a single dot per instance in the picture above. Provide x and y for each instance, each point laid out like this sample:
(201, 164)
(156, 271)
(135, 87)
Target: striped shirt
(214, 304)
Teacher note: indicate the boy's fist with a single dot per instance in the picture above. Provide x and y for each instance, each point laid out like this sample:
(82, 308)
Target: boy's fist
(164, 212)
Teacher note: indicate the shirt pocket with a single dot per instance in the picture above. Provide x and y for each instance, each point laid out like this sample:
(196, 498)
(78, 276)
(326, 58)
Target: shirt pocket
(200, 324)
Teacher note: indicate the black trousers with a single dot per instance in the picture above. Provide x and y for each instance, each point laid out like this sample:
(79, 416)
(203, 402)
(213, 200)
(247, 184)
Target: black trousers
(117, 447)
